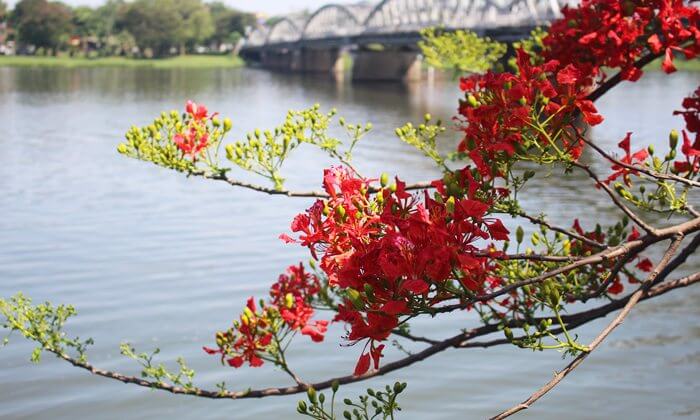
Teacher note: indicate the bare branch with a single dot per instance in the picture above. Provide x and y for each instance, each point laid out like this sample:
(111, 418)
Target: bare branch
(633, 300)
(539, 221)
(636, 219)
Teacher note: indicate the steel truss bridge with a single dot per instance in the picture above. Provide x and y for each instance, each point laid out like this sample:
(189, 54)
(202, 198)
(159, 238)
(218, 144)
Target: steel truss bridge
(299, 42)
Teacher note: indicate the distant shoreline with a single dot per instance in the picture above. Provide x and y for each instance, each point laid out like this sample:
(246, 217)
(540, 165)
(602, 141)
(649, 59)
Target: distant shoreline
(204, 61)
(185, 61)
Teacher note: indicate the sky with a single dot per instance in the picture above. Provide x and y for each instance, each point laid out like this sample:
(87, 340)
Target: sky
(270, 7)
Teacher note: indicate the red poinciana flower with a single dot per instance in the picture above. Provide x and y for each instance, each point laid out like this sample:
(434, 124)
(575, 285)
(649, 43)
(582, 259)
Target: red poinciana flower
(387, 252)
(613, 34)
(690, 147)
(252, 334)
(637, 158)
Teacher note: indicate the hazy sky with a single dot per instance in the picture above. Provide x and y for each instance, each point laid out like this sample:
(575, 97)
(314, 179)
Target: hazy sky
(268, 6)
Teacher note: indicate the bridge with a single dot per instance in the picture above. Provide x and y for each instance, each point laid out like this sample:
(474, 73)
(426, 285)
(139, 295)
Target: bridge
(382, 38)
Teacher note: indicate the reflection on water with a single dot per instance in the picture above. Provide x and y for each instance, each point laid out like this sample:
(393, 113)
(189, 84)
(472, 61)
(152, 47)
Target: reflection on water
(159, 260)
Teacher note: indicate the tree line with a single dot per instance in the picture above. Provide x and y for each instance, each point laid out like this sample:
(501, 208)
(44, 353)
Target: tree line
(149, 28)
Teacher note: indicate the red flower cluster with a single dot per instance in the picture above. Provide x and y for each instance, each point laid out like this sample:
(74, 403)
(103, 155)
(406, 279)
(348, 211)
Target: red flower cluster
(288, 310)
(502, 111)
(614, 34)
(690, 147)
(292, 294)
(391, 253)
(195, 137)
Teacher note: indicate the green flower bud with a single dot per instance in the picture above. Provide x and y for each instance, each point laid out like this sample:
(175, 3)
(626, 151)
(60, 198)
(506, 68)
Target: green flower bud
(393, 187)
(340, 211)
(347, 401)
(522, 101)
(122, 149)
(471, 100)
(346, 413)
(301, 408)
(335, 385)
(450, 205)
(321, 398)
(428, 117)
(673, 139)
(227, 124)
(368, 126)
(519, 234)
(311, 393)
(354, 297)
(650, 149)
(384, 179)
(509, 334)
(369, 292)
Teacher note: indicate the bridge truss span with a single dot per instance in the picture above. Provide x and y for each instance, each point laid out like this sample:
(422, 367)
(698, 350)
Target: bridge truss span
(351, 24)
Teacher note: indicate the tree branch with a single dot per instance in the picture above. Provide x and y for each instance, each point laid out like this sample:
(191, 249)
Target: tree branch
(632, 301)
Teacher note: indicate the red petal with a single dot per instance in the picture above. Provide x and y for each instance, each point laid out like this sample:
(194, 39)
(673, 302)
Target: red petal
(362, 365)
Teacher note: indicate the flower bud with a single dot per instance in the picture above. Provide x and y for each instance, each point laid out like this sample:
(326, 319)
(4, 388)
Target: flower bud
(289, 300)
(355, 299)
(227, 124)
(522, 101)
(519, 234)
(673, 139)
(335, 385)
(369, 292)
(509, 334)
(311, 393)
(384, 179)
(471, 100)
(301, 408)
(340, 211)
(393, 187)
(122, 148)
(650, 149)
(450, 205)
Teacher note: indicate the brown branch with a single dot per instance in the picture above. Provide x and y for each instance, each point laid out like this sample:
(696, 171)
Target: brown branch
(647, 171)
(288, 193)
(566, 232)
(459, 341)
(574, 321)
(636, 219)
(615, 80)
(633, 300)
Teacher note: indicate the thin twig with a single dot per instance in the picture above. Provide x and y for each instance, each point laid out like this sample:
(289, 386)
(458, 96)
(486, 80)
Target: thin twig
(646, 171)
(635, 218)
(633, 300)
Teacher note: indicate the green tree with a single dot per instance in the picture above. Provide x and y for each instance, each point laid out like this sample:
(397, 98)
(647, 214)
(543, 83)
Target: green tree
(229, 24)
(41, 23)
(3, 11)
(155, 24)
(197, 24)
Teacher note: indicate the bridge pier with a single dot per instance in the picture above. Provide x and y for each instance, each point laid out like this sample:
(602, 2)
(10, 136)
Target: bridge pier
(283, 60)
(329, 61)
(386, 65)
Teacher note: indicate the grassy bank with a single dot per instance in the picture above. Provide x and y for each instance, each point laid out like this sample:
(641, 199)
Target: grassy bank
(185, 61)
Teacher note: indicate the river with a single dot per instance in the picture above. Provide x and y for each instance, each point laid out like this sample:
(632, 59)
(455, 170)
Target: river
(151, 257)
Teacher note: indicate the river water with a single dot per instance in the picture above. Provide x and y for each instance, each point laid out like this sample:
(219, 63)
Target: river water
(159, 260)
